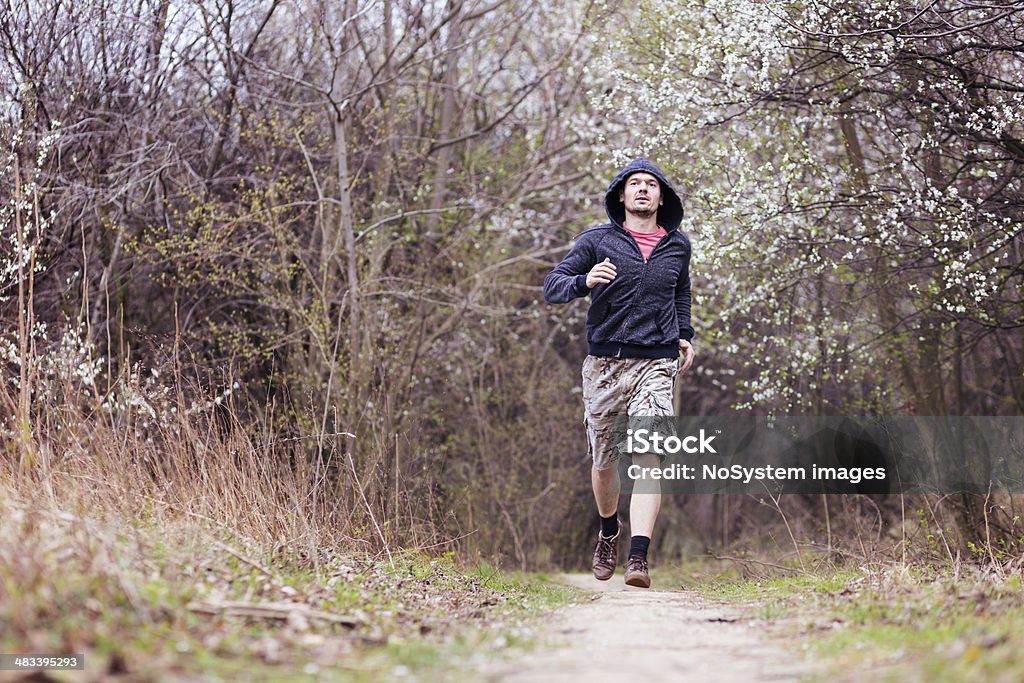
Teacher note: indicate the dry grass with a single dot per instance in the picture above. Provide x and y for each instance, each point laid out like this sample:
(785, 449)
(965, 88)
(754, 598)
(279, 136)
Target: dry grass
(152, 533)
(169, 596)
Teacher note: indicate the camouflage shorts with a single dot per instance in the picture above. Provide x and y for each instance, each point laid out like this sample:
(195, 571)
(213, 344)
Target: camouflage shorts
(617, 387)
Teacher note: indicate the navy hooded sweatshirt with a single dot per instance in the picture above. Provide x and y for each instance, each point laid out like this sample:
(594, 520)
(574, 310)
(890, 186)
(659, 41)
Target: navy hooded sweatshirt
(645, 310)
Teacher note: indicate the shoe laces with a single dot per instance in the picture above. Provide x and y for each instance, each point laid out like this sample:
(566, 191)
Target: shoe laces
(636, 564)
(605, 547)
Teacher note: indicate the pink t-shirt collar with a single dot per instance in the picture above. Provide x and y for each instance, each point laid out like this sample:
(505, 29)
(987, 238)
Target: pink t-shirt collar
(647, 240)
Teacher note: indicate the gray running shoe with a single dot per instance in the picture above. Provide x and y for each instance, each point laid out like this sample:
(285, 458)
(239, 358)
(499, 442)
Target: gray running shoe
(636, 573)
(606, 556)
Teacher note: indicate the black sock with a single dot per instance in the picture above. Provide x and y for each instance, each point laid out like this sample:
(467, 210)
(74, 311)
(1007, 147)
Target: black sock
(610, 525)
(638, 546)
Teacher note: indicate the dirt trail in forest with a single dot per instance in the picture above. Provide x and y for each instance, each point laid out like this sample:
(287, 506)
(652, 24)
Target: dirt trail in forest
(632, 634)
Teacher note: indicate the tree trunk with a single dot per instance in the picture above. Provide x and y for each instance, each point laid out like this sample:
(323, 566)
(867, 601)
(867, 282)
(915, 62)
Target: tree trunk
(443, 160)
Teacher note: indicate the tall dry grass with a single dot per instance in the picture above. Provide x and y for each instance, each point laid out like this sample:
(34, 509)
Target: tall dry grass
(180, 461)
(142, 452)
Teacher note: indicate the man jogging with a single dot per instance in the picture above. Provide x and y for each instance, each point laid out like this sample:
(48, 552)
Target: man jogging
(636, 270)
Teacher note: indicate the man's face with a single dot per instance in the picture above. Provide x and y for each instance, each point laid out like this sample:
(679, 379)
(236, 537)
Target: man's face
(641, 194)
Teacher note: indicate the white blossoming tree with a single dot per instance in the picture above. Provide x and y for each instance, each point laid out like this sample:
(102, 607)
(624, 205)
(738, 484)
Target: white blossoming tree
(852, 174)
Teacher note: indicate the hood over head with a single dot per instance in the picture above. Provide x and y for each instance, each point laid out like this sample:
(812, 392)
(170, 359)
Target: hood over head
(670, 213)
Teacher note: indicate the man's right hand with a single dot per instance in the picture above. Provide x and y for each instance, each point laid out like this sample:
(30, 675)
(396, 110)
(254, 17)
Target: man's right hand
(601, 274)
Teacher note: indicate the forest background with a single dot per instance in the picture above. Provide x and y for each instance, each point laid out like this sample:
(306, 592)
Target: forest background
(276, 266)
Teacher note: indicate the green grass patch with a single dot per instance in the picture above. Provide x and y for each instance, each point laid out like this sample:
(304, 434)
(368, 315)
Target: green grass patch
(889, 623)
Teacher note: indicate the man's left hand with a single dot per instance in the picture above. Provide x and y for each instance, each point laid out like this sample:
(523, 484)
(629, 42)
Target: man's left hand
(687, 352)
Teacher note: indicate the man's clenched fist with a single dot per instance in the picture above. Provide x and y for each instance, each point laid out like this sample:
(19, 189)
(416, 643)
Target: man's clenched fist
(601, 274)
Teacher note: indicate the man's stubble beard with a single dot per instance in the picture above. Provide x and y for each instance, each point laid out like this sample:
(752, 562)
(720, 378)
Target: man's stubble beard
(643, 213)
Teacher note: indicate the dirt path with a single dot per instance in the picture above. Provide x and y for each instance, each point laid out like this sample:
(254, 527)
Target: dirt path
(632, 634)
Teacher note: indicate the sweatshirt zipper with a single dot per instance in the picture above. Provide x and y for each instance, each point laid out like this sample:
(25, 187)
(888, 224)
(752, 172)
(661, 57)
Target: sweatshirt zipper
(643, 276)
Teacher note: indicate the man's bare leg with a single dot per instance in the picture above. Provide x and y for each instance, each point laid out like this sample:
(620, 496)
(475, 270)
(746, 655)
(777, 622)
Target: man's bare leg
(645, 502)
(606, 489)
(643, 512)
(606, 492)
